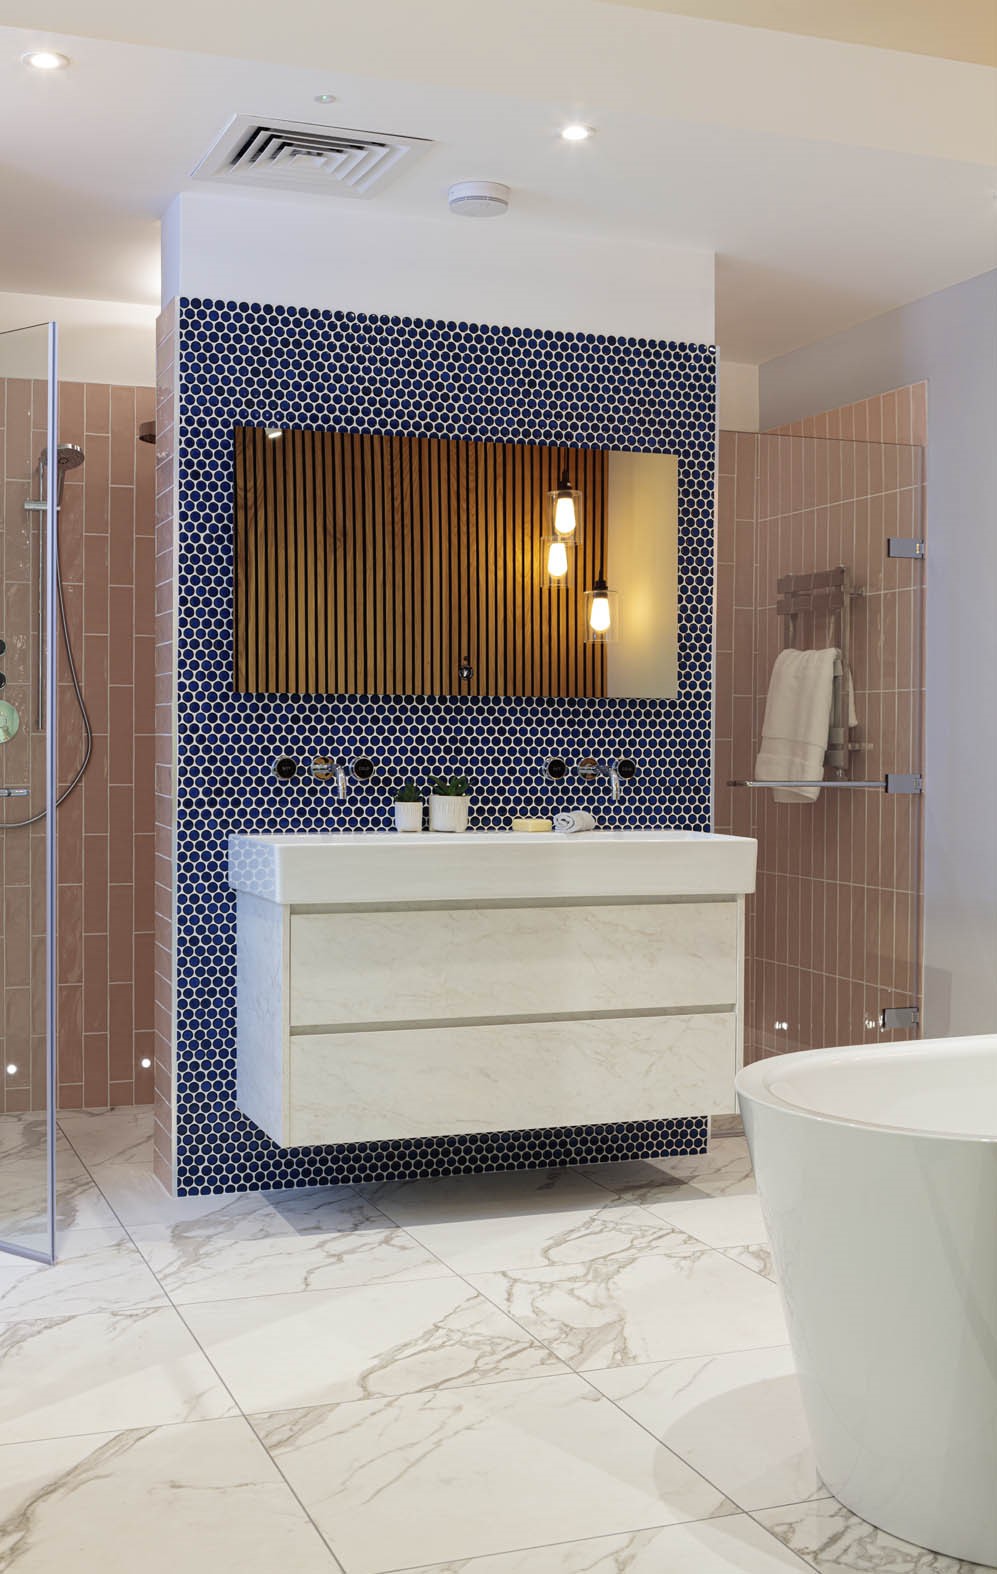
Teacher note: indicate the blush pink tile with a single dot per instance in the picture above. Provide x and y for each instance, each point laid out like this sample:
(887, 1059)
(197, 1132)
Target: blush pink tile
(919, 414)
(121, 1038)
(71, 424)
(95, 886)
(890, 417)
(121, 517)
(98, 410)
(95, 1079)
(120, 934)
(744, 480)
(70, 1033)
(95, 983)
(124, 437)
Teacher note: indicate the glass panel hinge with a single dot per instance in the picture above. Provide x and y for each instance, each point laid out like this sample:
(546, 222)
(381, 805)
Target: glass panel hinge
(893, 1017)
(896, 782)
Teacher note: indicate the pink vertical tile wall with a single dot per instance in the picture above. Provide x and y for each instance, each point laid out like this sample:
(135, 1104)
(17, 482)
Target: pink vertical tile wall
(106, 827)
(165, 486)
(834, 927)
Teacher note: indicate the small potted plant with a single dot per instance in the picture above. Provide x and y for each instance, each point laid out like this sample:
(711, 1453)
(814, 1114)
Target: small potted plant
(448, 802)
(408, 808)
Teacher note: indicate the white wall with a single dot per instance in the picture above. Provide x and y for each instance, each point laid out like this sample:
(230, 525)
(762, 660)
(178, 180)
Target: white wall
(951, 340)
(99, 341)
(350, 255)
(737, 396)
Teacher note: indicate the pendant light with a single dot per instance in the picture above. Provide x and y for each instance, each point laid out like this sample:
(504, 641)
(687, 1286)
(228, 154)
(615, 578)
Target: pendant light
(558, 561)
(565, 506)
(602, 617)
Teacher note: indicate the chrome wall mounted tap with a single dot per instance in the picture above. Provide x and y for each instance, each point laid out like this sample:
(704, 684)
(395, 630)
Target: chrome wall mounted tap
(617, 772)
(342, 783)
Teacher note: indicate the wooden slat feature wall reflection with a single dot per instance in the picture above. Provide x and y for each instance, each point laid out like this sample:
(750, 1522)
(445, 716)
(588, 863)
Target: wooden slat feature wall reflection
(376, 565)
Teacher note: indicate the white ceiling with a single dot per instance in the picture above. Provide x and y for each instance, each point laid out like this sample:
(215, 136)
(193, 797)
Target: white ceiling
(883, 192)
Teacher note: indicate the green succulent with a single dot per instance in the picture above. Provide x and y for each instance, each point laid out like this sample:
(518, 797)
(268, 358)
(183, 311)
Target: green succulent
(408, 794)
(455, 787)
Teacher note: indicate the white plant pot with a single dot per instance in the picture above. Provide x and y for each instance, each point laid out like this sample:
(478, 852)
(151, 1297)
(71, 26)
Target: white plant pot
(447, 814)
(408, 816)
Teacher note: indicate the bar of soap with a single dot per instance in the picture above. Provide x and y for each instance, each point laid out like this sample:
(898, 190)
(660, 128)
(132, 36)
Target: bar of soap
(522, 824)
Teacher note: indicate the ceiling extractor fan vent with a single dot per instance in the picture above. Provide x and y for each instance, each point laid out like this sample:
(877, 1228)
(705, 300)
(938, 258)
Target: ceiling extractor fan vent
(292, 155)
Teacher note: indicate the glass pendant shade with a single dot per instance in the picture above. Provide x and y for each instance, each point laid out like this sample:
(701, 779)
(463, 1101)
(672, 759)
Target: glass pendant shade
(565, 509)
(602, 614)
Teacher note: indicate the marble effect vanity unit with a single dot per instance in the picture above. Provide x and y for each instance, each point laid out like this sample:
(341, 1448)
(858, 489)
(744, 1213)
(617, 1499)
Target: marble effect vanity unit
(405, 986)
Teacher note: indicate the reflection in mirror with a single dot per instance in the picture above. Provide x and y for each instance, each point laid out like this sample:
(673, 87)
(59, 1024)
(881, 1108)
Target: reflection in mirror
(407, 565)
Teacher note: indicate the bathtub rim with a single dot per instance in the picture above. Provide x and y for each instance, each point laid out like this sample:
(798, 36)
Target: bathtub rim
(751, 1083)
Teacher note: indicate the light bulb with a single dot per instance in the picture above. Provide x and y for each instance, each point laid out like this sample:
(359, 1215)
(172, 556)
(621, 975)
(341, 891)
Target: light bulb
(599, 614)
(12, 1070)
(557, 560)
(575, 132)
(145, 1063)
(565, 520)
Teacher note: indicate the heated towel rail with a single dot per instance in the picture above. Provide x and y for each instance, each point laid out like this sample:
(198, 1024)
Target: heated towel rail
(829, 592)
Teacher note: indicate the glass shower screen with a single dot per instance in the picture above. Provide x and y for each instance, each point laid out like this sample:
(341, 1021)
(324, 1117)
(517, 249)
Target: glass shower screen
(28, 522)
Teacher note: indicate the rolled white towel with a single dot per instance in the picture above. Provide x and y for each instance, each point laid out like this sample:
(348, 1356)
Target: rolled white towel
(573, 821)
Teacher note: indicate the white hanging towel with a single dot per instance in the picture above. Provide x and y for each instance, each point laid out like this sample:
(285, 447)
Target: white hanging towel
(798, 721)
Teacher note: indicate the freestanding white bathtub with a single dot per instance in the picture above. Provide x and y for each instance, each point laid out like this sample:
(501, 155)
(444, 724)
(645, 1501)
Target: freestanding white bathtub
(877, 1172)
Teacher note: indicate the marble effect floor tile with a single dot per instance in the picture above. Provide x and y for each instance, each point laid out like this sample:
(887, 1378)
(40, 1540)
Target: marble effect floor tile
(732, 1545)
(835, 1541)
(104, 1371)
(496, 1195)
(118, 1136)
(286, 1351)
(157, 1500)
(757, 1257)
(738, 1419)
(651, 1308)
(613, 1233)
(24, 1185)
(725, 1171)
(264, 1249)
(717, 1221)
(423, 1478)
(95, 1270)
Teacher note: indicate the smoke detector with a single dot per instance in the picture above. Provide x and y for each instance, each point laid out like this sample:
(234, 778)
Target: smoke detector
(294, 155)
(479, 199)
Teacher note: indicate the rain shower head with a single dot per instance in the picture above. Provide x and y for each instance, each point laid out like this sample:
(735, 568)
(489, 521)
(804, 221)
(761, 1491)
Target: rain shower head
(70, 457)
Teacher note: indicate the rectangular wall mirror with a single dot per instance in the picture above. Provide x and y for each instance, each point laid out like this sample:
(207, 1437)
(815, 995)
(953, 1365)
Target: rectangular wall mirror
(411, 565)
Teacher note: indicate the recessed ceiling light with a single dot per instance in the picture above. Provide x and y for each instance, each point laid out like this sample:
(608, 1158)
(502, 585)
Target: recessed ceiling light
(325, 98)
(576, 132)
(45, 60)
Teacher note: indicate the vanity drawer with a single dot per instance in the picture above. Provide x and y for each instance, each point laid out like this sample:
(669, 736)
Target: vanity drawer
(431, 965)
(379, 1086)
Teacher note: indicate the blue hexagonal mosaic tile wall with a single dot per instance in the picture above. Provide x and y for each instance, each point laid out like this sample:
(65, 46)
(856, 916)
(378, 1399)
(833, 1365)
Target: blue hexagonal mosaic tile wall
(250, 364)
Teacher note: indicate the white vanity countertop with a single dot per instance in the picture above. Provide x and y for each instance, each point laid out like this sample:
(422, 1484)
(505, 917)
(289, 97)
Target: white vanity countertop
(350, 867)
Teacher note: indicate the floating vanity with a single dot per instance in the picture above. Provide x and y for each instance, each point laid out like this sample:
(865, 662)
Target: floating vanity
(405, 986)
